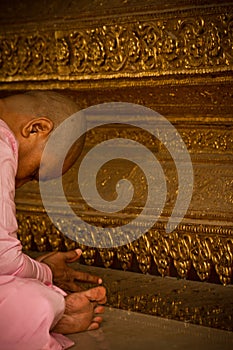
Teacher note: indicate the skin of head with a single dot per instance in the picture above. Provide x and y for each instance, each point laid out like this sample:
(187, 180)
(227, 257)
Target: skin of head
(32, 117)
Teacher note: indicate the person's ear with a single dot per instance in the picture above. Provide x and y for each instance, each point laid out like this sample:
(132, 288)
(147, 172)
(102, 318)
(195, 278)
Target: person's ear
(42, 126)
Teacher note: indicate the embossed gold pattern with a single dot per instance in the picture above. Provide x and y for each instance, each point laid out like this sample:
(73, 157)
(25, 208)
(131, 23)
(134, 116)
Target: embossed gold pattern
(178, 44)
(199, 246)
(177, 60)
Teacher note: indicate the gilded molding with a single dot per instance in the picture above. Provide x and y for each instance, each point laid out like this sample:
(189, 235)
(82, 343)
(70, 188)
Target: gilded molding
(198, 139)
(189, 45)
(159, 45)
(200, 246)
(24, 55)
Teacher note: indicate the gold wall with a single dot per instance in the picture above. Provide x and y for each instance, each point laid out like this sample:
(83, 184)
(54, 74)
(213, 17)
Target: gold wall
(176, 59)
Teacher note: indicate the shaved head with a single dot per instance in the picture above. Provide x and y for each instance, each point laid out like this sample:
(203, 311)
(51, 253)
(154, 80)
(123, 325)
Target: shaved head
(32, 117)
(34, 104)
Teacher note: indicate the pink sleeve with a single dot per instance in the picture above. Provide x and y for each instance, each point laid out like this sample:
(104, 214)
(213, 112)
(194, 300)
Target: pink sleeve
(12, 260)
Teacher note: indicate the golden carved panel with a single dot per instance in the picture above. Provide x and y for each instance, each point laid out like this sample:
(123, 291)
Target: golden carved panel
(174, 58)
(153, 44)
(199, 246)
(189, 45)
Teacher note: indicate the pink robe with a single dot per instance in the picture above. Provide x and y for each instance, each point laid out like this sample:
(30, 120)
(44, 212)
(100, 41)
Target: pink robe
(29, 303)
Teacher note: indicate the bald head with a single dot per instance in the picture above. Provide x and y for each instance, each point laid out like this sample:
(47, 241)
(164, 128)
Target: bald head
(32, 117)
(34, 104)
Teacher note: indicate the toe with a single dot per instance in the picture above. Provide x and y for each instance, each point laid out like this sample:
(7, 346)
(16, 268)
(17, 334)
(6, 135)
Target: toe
(97, 319)
(96, 294)
(99, 310)
(93, 326)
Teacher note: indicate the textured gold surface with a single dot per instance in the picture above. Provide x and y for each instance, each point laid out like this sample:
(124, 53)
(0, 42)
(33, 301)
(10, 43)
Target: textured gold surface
(203, 242)
(200, 246)
(157, 43)
(174, 58)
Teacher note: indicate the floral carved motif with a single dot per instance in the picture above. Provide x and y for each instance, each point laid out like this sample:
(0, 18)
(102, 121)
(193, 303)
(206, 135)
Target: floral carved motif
(193, 44)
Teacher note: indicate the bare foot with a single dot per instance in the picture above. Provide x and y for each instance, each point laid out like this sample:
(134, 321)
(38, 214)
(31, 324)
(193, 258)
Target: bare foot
(81, 312)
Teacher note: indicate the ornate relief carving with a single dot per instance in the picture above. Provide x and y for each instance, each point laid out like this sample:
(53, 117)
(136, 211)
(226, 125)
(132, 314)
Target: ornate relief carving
(156, 46)
(189, 43)
(197, 246)
(141, 249)
(201, 255)
(160, 47)
(26, 55)
(125, 256)
(88, 255)
(180, 249)
(107, 256)
(222, 257)
(160, 251)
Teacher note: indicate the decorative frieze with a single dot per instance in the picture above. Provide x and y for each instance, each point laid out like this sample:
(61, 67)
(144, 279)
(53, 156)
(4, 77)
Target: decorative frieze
(151, 45)
(198, 245)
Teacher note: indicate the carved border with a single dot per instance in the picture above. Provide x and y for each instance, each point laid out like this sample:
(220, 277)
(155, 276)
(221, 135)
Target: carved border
(186, 44)
(192, 245)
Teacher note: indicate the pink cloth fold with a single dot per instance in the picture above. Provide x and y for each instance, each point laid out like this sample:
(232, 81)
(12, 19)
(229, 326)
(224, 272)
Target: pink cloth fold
(28, 310)
(29, 303)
